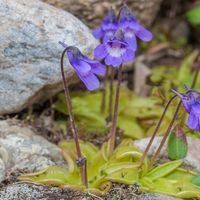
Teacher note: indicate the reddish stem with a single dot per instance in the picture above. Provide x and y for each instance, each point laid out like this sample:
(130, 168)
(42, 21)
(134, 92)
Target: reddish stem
(111, 94)
(81, 161)
(156, 130)
(155, 156)
(103, 100)
(114, 120)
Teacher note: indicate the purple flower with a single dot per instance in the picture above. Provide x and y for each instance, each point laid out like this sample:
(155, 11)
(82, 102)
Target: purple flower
(131, 28)
(115, 51)
(191, 102)
(108, 27)
(85, 68)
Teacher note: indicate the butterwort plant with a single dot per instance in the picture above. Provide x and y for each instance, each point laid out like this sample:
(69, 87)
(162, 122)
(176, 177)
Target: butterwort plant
(118, 49)
(86, 69)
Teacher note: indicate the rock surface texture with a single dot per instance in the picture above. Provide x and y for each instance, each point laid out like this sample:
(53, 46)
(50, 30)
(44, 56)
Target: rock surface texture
(92, 12)
(192, 159)
(30, 53)
(22, 149)
(24, 191)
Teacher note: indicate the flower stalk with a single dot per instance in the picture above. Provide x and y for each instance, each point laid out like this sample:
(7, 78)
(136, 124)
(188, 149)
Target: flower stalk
(115, 115)
(111, 94)
(155, 156)
(81, 161)
(156, 130)
(103, 100)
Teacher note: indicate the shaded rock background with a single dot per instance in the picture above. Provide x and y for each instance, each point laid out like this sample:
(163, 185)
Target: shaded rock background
(30, 53)
(192, 159)
(92, 12)
(22, 150)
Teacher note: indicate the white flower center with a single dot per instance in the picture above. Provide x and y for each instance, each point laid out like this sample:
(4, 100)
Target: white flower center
(116, 51)
(129, 33)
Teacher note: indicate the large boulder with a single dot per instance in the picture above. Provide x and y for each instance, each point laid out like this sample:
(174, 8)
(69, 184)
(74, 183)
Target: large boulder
(30, 53)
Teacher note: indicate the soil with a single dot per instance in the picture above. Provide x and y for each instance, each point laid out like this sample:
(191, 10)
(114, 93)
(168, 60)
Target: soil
(118, 192)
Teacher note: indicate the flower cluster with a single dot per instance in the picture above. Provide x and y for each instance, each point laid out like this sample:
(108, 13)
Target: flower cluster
(191, 102)
(118, 37)
(115, 51)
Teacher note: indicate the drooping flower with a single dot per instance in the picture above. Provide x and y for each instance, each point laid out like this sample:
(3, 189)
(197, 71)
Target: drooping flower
(131, 28)
(108, 27)
(86, 68)
(115, 51)
(191, 102)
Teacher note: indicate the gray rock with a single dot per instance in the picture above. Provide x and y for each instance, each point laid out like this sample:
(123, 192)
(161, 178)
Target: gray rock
(30, 53)
(21, 149)
(193, 156)
(155, 197)
(24, 191)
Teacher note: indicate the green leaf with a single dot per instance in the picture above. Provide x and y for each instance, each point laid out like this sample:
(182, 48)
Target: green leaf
(196, 180)
(177, 145)
(88, 149)
(130, 126)
(86, 110)
(181, 174)
(193, 15)
(187, 190)
(163, 170)
(126, 176)
(52, 175)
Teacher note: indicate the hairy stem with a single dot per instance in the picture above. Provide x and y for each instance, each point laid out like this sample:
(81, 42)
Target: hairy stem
(156, 130)
(110, 106)
(155, 156)
(114, 120)
(81, 161)
(103, 100)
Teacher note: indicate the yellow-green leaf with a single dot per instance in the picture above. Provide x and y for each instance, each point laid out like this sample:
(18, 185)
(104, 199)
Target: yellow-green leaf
(163, 170)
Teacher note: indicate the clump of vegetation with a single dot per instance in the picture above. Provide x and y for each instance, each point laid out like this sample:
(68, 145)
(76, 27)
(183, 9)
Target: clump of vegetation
(92, 169)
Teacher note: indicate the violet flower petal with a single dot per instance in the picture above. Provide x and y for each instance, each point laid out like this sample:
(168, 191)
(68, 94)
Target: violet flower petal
(114, 61)
(90, 81)
(81, 67)
(108, 35)
(98, 33)
(144, 34)
(196, 107)
(100, 51)
(128, 55)
(132, 42)
(98, 69)
(192, 121)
